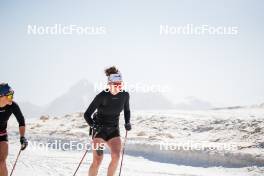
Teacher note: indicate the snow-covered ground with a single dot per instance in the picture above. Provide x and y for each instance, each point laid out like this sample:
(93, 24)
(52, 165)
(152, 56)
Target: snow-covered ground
(39, 162)
(243, 129)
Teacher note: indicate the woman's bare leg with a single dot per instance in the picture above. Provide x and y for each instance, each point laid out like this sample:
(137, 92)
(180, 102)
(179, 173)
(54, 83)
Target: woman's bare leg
(97, 157)
(115, 148)
(3, 156)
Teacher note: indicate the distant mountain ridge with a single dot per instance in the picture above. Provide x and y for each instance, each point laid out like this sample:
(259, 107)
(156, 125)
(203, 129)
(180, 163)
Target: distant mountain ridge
(76, 99)
(261, 106)
(80, 95)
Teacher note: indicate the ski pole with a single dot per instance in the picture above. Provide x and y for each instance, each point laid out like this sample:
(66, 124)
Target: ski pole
(15, 162)
(86, 151)
(123, 154)
(80, 162)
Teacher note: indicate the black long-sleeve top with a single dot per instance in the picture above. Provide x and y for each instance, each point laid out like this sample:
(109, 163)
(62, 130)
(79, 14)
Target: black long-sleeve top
(109, 107)
(7, 111)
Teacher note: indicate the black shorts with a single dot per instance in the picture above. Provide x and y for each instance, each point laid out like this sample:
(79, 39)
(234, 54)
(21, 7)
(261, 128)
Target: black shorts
(4, 138)
(108, 133)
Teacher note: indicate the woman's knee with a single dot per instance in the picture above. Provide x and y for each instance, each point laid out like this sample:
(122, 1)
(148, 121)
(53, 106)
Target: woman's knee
(2, 162)
(97, 160)
(2, 159)
(3, 152)
(115, 155)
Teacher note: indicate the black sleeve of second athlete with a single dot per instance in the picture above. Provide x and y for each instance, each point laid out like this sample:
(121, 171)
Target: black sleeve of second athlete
(90, 110)
(127, 109)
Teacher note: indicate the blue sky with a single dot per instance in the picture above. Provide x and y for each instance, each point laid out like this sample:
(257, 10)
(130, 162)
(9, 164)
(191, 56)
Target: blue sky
(224, 70)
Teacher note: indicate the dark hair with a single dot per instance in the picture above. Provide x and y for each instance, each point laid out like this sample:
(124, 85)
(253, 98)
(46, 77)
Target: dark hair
(111, 70)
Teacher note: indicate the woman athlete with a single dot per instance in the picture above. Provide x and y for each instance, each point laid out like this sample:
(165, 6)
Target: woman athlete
(105, 122)
(7, 108)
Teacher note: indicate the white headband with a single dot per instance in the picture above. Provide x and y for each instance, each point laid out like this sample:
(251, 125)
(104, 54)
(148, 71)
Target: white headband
(115, 77)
